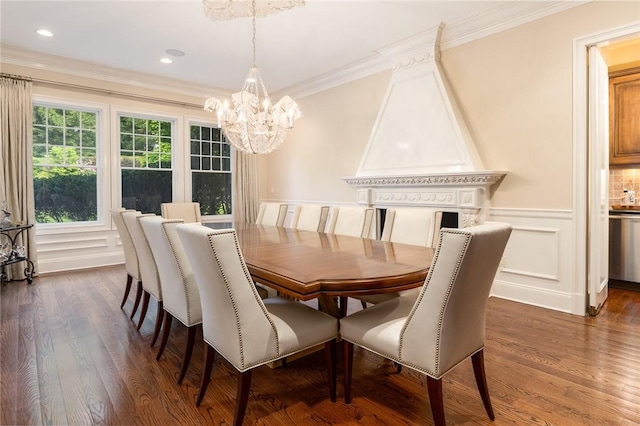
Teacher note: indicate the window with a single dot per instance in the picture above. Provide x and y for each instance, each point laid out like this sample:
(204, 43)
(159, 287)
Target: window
(146, 163)
(210, 170)
(65, 170)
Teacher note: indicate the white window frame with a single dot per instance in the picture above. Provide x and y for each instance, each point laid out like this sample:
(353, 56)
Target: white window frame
(103, 166)
(177, 180)
(186, 152)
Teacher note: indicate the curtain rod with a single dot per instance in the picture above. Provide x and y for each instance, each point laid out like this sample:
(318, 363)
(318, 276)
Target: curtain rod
(117, 93)
(15, 77)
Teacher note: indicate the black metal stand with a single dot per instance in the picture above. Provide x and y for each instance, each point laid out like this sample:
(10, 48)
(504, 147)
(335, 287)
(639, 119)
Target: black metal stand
(11, 233)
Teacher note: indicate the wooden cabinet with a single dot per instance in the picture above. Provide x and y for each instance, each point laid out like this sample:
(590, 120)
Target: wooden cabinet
(624, 119)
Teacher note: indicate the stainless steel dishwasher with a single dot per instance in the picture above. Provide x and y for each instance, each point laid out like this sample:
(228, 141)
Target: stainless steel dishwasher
(624, 246)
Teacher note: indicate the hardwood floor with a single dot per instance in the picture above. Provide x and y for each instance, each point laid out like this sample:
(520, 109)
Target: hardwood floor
(69, 355)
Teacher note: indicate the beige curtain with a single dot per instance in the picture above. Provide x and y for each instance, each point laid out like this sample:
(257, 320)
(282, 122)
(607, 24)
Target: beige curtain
(16, 174)
(245, 187)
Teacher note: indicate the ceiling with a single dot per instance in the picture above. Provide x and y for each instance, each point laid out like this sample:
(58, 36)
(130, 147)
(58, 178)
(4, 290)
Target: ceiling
(295, 46)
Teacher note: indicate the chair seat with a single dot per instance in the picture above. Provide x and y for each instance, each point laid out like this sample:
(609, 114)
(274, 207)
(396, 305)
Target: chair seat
(383, 297)
(299, 326)
(378, 328)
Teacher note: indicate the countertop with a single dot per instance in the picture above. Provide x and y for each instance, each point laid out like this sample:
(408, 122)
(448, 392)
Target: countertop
(616, 210)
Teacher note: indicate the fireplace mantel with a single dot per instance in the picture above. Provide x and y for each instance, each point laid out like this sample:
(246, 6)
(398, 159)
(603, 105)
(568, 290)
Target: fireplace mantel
(466, 192)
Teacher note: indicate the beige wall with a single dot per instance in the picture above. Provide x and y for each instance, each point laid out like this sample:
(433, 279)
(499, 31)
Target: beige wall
(326, 144)
(514, 87)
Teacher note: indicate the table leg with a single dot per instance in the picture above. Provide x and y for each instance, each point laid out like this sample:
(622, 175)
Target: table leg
(329, 304)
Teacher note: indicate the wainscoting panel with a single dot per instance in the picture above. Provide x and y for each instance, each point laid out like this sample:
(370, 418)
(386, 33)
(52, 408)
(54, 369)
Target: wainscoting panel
(538, 264)
(64, 252)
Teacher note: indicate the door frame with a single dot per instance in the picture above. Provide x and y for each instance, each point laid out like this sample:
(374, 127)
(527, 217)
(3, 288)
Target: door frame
(581, 184)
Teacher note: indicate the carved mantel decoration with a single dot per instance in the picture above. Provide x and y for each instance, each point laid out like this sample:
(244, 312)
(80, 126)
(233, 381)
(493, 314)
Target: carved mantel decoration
(467, 193)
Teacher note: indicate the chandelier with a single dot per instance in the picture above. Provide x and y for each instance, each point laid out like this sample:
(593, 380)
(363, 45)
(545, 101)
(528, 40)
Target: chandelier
(251, 122)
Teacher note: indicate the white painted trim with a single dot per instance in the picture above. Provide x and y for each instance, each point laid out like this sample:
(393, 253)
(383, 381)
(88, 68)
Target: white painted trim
(580, 145)
(503, 17)
(544, 275)
(25, 58)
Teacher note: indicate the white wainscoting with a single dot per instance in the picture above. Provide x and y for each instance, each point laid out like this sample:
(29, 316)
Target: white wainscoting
(65, 252)
(538, 264)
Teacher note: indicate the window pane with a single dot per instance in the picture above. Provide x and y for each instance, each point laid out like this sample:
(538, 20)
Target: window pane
(140, 126)
(226, 150)
(206, 148)
(126, 125)
(40, 115)
(206, 163)
(195, 147)
(212, 191)
(39, 154)
(195, 132)
(165, 128)
(88, 156)
(126, 159)
(206, 134)
(55, 136)
(145, 190)
(154, 127)
(215, 134)
(72, 137)
(216, 149)
(226, 164)
(126, 142)
(55, 117)
(72, 119)
(140, 143)
(39, 135)
(89, 120)
(195, 162)
(65, 194)
(88, 138)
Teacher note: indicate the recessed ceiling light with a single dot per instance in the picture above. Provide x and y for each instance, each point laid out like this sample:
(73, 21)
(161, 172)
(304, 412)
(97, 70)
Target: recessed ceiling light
(166, 60)
(175, 52)
(44, 33)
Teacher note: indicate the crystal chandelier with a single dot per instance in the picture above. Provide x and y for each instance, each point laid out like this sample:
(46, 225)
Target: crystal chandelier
(252, 123)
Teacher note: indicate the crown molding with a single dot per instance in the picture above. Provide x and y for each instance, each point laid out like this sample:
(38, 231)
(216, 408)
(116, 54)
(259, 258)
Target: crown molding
(503, 17)
(15, 56)
(500, 18)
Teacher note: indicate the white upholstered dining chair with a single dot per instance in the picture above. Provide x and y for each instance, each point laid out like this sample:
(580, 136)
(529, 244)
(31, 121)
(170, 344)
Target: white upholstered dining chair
(148, 270)
(131, 264)
(272, 214)
(351, 221)
(310, 217)
(446, 323)
(188, 212)
(180, 294)
(237, 324)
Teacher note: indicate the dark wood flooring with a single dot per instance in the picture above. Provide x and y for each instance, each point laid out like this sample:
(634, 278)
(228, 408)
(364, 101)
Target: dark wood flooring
(69, 355)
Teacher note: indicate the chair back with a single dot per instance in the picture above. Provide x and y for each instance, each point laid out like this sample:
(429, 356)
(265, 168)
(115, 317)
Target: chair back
(130, 257)
(309, 217)
(449, 313)
(188, 212)
(351, 221)
(180, 294)
(148, 269)
(235, 322)
(272, 214)
(417, 226)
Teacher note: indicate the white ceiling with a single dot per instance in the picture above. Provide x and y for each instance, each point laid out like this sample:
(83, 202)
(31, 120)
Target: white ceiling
(293, 47)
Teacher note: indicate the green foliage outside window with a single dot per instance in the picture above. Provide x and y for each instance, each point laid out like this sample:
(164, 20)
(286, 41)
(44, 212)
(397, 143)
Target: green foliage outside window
(64, 159)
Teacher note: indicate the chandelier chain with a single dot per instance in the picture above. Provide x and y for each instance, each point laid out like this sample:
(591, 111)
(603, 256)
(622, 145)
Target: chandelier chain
(253, 23)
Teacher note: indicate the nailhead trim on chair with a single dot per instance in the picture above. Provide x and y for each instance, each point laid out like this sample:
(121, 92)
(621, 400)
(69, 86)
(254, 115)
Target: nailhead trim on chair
(159, 299)
(235, 308)
(436, 374)
(182, 274)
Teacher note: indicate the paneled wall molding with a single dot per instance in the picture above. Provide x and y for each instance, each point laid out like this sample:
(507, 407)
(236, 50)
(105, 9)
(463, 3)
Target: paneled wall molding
(537, 267)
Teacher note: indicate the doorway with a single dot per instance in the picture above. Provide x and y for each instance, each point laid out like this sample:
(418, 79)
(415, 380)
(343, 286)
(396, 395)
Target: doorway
(590, 251)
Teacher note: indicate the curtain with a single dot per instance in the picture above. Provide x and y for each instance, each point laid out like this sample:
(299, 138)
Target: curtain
(16, 173)
(245, 188)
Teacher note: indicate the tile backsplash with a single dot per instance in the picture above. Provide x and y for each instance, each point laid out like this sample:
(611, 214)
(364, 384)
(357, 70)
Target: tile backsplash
(621, 179)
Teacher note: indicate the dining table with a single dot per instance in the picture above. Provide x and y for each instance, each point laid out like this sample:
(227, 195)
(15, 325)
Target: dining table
(306, 265)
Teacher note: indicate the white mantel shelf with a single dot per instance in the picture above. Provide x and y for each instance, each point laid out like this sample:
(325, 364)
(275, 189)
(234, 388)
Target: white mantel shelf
(482, 178)
(464, 192)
